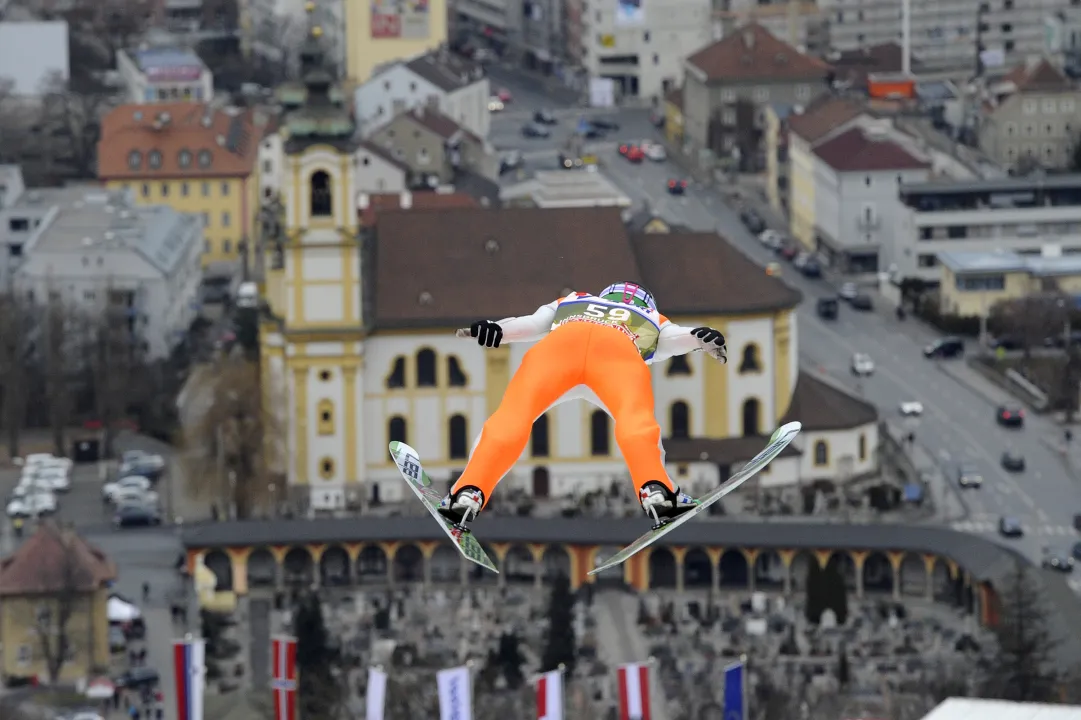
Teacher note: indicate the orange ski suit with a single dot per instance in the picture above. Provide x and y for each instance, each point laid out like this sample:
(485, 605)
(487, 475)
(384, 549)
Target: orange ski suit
(584, 343)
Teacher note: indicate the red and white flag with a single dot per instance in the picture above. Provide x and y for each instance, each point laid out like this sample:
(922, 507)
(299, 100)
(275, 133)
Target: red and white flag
(284, 683)
(550, 696)
(634, 692)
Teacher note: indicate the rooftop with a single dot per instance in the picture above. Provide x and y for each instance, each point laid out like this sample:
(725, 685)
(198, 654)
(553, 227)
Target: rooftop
(995, 185)
(823, 406)
(861, 150)
(975, 263)
(562, 189)
(823, 117)
(1040, 76)
(971, 709)
(54, 560)
(751, 54)
(369, 206)
(445, 70)
(166, 61)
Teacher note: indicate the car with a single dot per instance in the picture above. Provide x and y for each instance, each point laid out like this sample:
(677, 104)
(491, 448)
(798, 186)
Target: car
(862, 302)
(589, 132)
(1057, 560)
(50, 478)
(135, 496)
(605, 124)
(827, 308)
(137, 462)
(1077, 551)
(789, 251)
(655, 152)
(504, 95)
(1009, 526)
(544, 117)
(625, 148)
(862, 365)
(1013, 461)
(138, 677)
(773, 269)
(1010, 416)
(802, 258)
(533, 130)
(635, 154)
(110, 490)
(136, 516)
(677, 187)
(911, 408)
(32, 505)
(969, 477)
(947, 347)
(848, 291)
(771, 239)
(811, 269)
(511, 160)
(118, 641)
(495, 105)
(752, 221)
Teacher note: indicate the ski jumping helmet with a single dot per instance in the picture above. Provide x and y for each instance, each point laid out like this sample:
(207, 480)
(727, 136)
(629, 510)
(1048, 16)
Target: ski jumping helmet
(631, 294)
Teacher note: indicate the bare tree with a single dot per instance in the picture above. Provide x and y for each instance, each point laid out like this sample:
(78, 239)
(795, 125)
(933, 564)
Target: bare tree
(68, 583)
(227, 443)
(1030, 320)
(111, 25)
(57, 362)
(72, 122)
(116, 368)
(14, 374)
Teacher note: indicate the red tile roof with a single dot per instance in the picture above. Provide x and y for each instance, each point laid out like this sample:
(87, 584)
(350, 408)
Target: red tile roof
(54, 560)
(753, 53)
(856, 151)
(381, 202)
(822, 117)
(1041, 77)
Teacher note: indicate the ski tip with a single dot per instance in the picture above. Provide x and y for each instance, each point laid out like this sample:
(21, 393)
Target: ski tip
(786, 430)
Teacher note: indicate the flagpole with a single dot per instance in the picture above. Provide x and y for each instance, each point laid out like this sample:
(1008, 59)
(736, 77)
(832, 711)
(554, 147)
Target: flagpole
(651, 663)
(562, 690)
(743, 689)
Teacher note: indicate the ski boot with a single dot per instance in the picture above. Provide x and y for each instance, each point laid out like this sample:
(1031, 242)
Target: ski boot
(463, 506)
(662, 505)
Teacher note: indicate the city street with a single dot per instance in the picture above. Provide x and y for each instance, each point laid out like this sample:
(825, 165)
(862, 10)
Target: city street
(958, 424)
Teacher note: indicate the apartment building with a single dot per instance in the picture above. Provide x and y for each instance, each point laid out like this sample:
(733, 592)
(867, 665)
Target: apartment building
(1019, 214)
(944, 33)
(164, 75)
(801, 24)
(641, 47)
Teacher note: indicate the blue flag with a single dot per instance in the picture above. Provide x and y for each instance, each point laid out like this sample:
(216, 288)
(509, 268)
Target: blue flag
(734, 702)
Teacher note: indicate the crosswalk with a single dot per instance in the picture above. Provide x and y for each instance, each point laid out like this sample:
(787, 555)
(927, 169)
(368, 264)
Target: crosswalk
(979, 527)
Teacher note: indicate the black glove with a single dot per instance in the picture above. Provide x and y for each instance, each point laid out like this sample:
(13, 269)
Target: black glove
(708, 335)
(487, 332)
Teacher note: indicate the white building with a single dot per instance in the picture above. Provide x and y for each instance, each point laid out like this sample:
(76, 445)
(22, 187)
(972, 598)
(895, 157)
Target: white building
(93, 248)
(1024, 215)
(563, 189)
(642, 50)
(457, 88)
(33, 54)
(164, 75)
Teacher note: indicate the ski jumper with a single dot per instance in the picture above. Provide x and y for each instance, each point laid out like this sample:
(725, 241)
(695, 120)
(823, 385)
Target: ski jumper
(583, 343)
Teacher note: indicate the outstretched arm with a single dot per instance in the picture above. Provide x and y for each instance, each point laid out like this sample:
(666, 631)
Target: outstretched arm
(526, 328)
(679, 340)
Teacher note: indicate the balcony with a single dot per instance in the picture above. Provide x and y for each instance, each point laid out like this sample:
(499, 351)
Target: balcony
(867, 223)
(988, 216)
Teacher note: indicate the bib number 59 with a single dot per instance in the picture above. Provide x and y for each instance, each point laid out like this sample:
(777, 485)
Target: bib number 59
(609, 313)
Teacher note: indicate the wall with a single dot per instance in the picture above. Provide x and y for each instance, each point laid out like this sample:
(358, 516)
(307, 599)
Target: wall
(376, 175)
(842, 456)
(393, 91)
(978, 303)
(1044, 125)
(416, 146)
(364, 53)
(87, 631)
(802, 179)
(468, 106)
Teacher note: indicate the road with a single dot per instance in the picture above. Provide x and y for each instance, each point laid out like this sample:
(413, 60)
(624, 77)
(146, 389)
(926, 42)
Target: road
(958, 424)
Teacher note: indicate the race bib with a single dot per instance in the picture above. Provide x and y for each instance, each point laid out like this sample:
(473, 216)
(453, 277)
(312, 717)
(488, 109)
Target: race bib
(642, 331)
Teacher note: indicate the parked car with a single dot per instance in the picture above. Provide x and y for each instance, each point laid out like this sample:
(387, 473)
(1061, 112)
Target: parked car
(848, 291)
(655, 152)
(788, 251)
(811, 269)
(752, 221)
(606, 124)
(911, 408)
(504, 95)
(137, 462)
(1013, 461)
(495, 105)
(968, 476)
(110, 490)
(533, 130)
(862, 365)
(946, 347)
(32, 505)
(771, 239)
(677, 187)
(544, 117)
(1057, 560)
(827, 308)
(136, 516)
(139, 677)
(1010, 416)
(511, 160)
(862, 302)
(635, 154)
(1010, 527)
(50, 478)
(135, 496)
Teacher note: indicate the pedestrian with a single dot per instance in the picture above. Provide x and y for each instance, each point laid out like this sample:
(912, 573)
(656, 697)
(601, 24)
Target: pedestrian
(133, 713)
(160, 712)
(146, 592)
(142, 656)
(17, 526)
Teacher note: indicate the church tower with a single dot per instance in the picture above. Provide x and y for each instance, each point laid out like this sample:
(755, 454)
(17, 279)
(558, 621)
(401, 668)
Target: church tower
(312, 345)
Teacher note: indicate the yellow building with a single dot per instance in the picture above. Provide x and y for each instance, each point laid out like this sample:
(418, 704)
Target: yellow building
(973, 282)
(54, 574)
(380, 31)
(776, 137)
(673, 117)
(192, 157)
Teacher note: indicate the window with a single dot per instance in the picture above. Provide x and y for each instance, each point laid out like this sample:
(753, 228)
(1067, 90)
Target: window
(225, 219)
(761, 94)
(1067, 105)
(25, 655)
(154, 160)
(184, 189)
(863, 447)
(455, 376)
(927, 260)
(325, 419)
(165, 189)
(206, 220)
(750, 417)
(326, 468)
(822, 453)
(412, 87)
(728, 117)
(226, 246)
(426, 373)
(205, 158)
(146, 190)
(396, 429)
(1011, 129)
(325, 375)
(679, 420)
(18, 224)
(224, 189)
(88, 295)
(321, 201)
(1028, 107)
(599, 440)
(135, 159)
(458, 447)
(679, 365)
(1048, 106)
(422, 157)
(803, 92)
(728, 95)
(976, 283)
(749, 362)
(183, 158)
(396, 378)
(538, 438)
(268, 167)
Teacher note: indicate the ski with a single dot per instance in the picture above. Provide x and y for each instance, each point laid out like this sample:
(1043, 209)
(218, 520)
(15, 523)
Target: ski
(777, 443)
(412, 471)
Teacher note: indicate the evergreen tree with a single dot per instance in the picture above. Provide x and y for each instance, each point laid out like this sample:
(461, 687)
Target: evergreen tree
(843, 671)
(815, 601)
(561, 648)
(318, 691)
(509, 658)
(1024, 669)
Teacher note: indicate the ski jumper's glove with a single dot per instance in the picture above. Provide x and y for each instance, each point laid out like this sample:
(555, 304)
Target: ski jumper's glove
(487, 332)
(712, 342)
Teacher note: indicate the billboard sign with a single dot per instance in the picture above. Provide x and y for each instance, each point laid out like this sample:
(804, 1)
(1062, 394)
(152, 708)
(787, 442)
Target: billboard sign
(400, 19)
(630, 12)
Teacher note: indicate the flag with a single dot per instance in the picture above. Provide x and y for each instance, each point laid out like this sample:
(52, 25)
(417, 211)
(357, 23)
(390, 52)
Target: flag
(284, 683)
(189, 672)
(455, 694)
(377, 694)
(634, 692)
(735, 680)
(550, 696)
